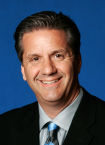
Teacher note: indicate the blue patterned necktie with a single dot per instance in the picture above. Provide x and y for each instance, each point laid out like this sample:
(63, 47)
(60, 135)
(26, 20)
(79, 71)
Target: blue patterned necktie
(52, 134)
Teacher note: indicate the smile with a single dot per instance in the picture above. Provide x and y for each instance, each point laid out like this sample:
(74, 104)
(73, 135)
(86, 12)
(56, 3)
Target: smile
(50, 83)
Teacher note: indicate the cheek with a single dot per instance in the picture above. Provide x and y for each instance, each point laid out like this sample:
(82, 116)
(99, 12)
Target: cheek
(67, 69)
(31, 72)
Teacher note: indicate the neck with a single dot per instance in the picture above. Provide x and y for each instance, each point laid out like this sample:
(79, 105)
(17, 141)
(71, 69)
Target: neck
(52, 109)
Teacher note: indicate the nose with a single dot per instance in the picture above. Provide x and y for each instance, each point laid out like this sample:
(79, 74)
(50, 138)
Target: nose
(48, 67)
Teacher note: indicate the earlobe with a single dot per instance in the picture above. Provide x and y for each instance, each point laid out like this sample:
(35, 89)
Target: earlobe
(23, 73)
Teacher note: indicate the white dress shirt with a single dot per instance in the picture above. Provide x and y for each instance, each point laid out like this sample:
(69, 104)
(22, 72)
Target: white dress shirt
(63, 120)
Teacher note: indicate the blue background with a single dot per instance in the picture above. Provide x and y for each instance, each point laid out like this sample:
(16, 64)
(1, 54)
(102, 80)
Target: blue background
(89, 15)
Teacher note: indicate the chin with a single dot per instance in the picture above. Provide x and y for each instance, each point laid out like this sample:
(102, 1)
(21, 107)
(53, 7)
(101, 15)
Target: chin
(52, 98)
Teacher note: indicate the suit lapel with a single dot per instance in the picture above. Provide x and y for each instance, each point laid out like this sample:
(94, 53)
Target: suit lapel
(80, 132)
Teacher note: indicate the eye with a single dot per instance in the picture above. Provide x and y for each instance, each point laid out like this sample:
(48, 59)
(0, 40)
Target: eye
(36, 58)
(59, 56)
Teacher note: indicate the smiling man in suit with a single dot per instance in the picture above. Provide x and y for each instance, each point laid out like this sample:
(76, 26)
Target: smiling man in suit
(48, 46)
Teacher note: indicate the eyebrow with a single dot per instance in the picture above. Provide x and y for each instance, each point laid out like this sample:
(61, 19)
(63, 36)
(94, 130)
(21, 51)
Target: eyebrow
(58, 50)
(51, 53)
(32, 55)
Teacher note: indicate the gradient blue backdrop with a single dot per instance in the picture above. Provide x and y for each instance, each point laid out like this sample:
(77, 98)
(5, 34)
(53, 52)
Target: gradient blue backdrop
(89, 15)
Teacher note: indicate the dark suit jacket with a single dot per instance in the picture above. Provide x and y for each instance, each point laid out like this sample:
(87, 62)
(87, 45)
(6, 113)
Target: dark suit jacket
(21, 126)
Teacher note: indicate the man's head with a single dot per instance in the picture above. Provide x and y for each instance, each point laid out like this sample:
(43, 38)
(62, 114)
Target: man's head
(48, 20)
(48, 45)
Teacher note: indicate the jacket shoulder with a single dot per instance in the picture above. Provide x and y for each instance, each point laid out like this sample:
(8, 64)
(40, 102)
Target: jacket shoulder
(19, 113)
(95, 103)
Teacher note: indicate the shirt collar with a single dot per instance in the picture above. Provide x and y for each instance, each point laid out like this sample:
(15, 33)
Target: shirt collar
(64, 118)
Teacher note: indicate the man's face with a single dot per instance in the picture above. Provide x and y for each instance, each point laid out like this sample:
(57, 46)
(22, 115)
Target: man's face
(48, 65)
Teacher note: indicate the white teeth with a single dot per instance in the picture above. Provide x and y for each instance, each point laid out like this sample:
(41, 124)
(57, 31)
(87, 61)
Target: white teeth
(49, 82)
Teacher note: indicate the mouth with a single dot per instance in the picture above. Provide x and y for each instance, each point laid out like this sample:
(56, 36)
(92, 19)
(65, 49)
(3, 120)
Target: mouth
(50, 83)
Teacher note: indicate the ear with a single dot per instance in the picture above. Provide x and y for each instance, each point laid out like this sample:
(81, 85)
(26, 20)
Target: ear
(23, 72)
(79, 63)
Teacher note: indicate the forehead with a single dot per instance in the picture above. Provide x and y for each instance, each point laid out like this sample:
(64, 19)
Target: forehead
(44, 40)
(46, 34)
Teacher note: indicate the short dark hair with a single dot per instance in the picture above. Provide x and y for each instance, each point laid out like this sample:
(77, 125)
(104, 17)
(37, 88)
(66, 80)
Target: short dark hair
(48, 20)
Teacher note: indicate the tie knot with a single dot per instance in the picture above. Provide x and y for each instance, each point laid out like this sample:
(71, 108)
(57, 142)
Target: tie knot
(52, 126)
(52, 134)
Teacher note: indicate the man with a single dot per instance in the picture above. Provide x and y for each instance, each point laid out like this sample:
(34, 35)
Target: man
(48, 46)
